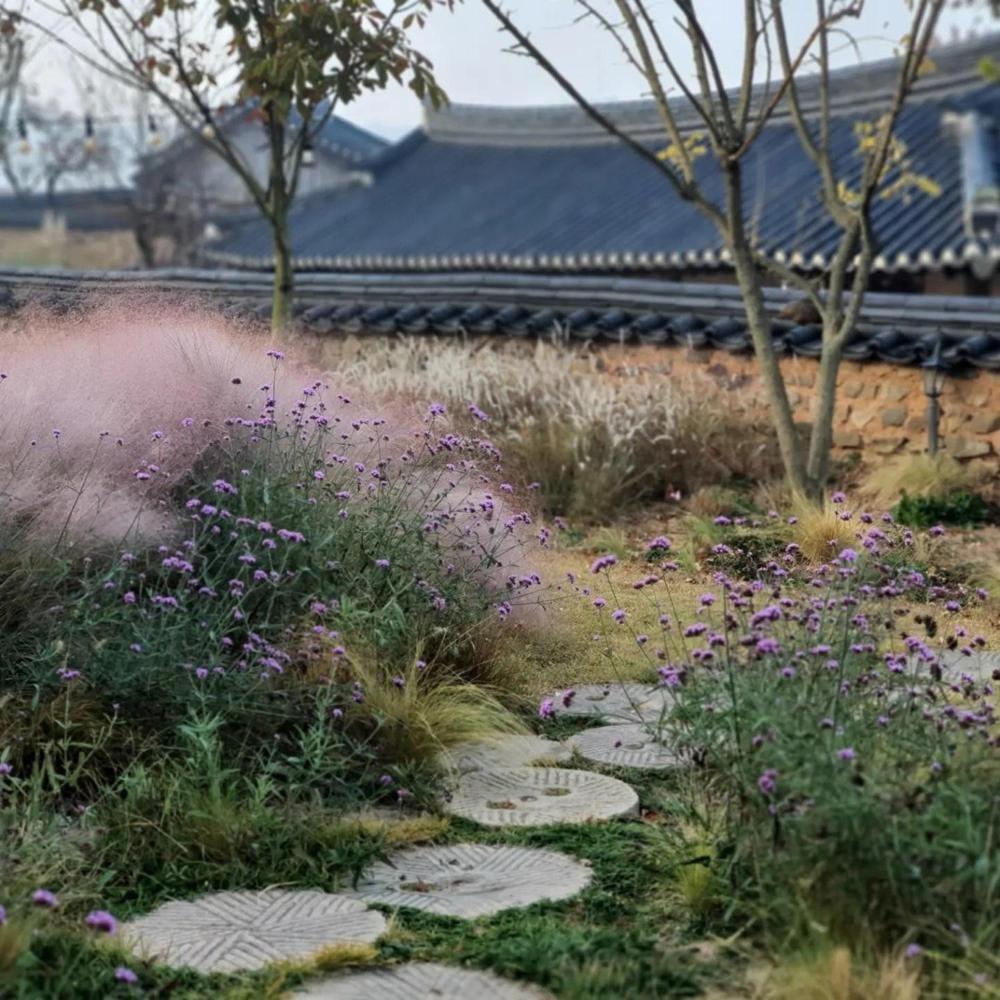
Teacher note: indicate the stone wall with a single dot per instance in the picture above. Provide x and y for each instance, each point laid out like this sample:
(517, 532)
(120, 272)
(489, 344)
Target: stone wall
(881, 408)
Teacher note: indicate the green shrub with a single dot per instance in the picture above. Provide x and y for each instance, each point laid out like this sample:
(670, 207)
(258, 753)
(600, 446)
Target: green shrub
(961, 509)
(858, 779)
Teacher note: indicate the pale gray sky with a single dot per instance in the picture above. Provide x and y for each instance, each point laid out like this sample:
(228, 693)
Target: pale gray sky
(468, 53)
(467, 50)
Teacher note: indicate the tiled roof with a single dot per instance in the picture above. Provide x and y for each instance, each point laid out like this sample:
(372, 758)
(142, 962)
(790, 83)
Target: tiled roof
(83, 210)
(539, 189)
(343, 138)
(338, 137)
(894, 328)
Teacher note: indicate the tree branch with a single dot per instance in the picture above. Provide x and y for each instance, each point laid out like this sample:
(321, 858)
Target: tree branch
(688, 192)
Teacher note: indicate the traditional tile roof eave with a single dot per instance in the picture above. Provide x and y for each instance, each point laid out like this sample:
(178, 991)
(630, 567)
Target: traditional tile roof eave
(892, 327)
(972, 253)
(854, 89)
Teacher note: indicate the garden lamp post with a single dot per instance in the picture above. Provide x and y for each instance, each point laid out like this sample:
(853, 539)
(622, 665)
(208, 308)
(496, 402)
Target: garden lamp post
(934, 370)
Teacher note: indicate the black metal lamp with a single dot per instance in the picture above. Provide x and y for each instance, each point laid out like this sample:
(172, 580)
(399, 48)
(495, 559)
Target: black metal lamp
(935, 368)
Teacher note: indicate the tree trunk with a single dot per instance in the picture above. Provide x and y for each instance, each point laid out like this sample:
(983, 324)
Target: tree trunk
(144, 234)
(279, 204)
(821, 439)
(284, 277)
(748, 278)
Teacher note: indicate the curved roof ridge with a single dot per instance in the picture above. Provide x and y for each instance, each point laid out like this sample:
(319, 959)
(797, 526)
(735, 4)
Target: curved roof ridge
(853, 88)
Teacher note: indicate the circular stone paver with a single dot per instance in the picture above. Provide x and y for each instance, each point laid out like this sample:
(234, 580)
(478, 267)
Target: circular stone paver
(239, 931)
(540, 796)
(420, 981)
(510, 751)
(632, 744)
(624, 702)
(981, 665)
(472, 880)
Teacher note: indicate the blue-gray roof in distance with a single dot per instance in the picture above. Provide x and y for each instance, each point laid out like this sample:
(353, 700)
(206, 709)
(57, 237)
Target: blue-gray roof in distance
(85, 211)
(338, 137)
(542, 189)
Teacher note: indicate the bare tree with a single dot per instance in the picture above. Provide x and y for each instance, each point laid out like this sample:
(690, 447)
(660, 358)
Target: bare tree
(12, 59)
(730, 123)
(292, 63)
(165, 228)
(58, 149)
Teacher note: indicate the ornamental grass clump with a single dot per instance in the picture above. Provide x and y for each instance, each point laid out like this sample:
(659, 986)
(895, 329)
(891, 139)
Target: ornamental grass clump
(306, 521)
(122, 395)
(415, 715)
(598, 439)
(859, 775)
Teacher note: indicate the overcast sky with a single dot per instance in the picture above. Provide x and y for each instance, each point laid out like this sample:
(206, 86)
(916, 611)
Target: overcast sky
(468, 53)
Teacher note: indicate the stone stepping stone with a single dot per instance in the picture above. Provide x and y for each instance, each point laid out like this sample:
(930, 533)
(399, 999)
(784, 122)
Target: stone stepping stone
(510, 751)
(242, 931)
(472, 880)
(621, 702)
(540, 796)
(980, 665)
(420, 981)
(632, 744)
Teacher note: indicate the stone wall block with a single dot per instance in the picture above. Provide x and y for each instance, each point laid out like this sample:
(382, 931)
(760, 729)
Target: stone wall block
(846, 439)
(894, 416)
(985, 423)
(962, 447)
(887, 446)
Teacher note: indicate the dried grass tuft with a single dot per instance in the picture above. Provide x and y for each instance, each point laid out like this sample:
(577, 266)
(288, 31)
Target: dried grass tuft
(596, 441)
(835, 975)
(819, 531)
(921, 476)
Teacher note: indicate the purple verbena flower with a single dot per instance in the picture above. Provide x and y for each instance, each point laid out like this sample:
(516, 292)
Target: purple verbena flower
(768, 781)
(101, 921)
(603, 562)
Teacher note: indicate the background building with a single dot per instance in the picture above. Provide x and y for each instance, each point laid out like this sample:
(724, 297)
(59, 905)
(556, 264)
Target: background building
(545, 190)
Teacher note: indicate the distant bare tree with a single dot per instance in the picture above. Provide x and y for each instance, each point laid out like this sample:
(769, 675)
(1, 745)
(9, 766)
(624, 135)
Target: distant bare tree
(12, 59)
(291, 62)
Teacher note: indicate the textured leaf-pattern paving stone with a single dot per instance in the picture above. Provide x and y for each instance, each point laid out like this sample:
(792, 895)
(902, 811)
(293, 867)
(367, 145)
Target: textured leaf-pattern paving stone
(632, 744)
(981, 665)
(472, 880)
(420, 981)
(240, 931)
(540, 796)
(617, 701)
(509, 751)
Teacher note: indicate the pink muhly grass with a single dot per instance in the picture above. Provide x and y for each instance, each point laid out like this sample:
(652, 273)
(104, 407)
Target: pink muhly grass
(102, 413)
(137, 389)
